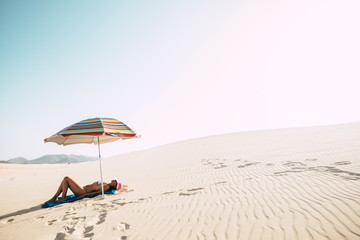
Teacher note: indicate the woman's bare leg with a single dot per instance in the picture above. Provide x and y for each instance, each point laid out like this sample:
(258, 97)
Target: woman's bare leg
(59, 190)
(74, 187)
(67, 183)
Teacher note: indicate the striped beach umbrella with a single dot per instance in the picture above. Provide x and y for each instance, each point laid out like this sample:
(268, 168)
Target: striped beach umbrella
(93, 130)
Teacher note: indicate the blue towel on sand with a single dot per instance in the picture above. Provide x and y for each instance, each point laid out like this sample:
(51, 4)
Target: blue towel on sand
(73, 198)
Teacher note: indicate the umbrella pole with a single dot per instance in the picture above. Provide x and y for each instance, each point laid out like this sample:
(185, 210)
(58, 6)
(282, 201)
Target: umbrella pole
(102, 183)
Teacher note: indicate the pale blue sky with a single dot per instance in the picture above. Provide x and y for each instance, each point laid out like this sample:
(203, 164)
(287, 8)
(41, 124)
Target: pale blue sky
(173, 70)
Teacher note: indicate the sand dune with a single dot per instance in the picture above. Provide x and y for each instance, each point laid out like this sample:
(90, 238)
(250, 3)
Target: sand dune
(299, 183)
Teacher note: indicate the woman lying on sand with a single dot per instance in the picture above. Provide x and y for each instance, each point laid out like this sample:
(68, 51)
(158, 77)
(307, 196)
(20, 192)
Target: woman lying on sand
(79, 191)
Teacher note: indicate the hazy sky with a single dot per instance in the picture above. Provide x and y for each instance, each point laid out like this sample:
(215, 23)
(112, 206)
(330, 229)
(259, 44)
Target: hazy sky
(173, 70)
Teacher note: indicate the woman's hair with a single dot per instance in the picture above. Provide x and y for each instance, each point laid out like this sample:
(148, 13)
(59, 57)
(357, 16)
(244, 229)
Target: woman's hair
(117, 186)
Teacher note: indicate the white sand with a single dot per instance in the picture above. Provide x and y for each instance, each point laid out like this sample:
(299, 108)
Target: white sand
(277, 184)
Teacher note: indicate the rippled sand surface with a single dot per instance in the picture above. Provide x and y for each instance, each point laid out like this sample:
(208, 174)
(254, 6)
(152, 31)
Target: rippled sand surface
(299, 183)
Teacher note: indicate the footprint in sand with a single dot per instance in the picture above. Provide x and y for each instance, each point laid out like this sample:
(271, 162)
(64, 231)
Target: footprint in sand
(248, 164)
(66, 216)
(87, 232)
(84, 231)
(293, 164)
(51, 222)
(328, 169)
(74, 221)
(60, 236)
(69, 230)
(120, 203)
(122, 227)
(40, 219)
(68, 213)
(73, 227)
(166, 193)
(102, 217)
(294, 170)
(342, 163)
(338, 172)
(215, 163)
(191, 192)
(221, 165)
(144, 199)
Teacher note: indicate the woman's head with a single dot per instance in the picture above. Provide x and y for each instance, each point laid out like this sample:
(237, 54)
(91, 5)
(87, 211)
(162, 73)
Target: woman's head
(114, 184)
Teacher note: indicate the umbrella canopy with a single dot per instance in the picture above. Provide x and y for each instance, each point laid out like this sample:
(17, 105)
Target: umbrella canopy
(93, 130)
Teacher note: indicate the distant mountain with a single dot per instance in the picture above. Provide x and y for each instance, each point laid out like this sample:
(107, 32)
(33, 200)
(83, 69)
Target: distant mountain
(18, 160)
(53, 158)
